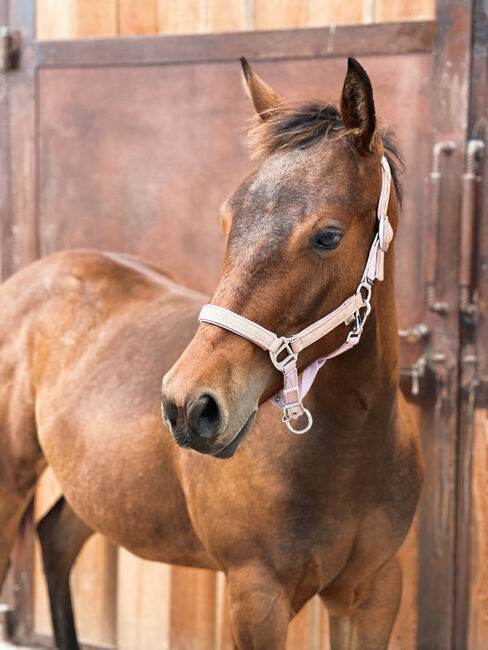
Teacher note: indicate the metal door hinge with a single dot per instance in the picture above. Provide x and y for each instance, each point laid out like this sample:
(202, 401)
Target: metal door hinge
(9, 48)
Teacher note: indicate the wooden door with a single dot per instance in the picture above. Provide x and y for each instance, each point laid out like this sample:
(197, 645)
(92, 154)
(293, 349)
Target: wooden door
(132, 144)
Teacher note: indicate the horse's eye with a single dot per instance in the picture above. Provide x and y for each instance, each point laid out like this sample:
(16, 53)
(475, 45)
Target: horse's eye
(327, 240)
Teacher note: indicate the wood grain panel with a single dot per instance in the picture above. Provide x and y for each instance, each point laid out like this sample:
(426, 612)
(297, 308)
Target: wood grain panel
(280, 14)
(95, 18)
(229, 15)
(192, 618)
(64, 19)
(334, 12)
(143, 603)
(478, 600)
(223, 635)
(180, 17)
(139, 17)
(94, 584)
(55, 19)
(398, 10)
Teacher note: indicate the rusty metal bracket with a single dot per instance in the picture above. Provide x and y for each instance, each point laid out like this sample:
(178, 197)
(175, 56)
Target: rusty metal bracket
(9, 48)
(474, 154)
(441, 149)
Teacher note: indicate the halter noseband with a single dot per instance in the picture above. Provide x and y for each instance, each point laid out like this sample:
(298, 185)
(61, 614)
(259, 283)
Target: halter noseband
(284, 350)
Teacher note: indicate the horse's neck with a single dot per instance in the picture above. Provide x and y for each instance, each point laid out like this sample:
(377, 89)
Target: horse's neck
(360, 387)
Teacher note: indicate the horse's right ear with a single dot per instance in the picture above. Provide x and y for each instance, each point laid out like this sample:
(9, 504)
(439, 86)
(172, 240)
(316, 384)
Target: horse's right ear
(264, 99)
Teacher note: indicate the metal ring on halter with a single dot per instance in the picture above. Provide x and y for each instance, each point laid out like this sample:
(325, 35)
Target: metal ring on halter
(307, 427)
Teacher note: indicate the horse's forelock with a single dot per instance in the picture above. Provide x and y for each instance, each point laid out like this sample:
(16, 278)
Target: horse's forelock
(301, 126)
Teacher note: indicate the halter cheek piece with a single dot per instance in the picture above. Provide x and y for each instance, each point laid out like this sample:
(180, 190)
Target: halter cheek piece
(284, 350)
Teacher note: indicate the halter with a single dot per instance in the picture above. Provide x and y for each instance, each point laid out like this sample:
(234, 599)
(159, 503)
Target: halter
(284, 350)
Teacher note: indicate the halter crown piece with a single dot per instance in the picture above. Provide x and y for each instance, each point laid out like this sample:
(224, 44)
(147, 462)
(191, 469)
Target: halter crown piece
(284, 350)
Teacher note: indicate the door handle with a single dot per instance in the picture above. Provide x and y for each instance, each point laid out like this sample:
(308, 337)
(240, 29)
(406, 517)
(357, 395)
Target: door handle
(441, 149)
(474, 154)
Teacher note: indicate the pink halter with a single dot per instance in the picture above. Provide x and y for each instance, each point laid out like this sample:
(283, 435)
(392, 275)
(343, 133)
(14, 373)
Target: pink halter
(284, 350)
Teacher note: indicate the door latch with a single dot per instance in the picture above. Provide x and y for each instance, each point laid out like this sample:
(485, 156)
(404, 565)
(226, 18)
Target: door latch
(415, 372)
(9, 48)
(414, 334)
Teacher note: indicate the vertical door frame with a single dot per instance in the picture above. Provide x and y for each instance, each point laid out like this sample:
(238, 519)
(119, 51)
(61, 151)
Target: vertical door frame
(473, 360)
(449, 114)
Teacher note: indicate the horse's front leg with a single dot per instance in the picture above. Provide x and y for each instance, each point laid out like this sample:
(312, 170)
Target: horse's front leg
(260, 610)
(363, 618)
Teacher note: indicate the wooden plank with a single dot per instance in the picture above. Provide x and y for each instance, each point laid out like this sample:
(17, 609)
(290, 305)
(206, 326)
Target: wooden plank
(324, 631)
(143, 603)
(478, 597)
(94, 585)
(326, 42)
(334, 12)
(94, 18)
(139, 17)
(192, 619)
(55, 19)
(398, 10)
(223, 634)
(229, 16)
(280, 14)
(180, 17)
(300, 630)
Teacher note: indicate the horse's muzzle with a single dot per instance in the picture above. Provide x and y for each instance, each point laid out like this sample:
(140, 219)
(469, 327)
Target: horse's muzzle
(197, 424)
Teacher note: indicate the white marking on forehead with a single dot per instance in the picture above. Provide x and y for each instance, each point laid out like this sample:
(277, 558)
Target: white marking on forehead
(276, 170)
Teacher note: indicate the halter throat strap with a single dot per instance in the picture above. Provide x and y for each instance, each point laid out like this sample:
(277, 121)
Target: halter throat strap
(284, 351)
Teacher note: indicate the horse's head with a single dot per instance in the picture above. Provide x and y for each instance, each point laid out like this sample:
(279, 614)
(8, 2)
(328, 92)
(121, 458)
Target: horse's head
(298, 230)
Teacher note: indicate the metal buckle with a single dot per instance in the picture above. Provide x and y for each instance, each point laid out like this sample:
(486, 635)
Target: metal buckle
(357, 328)
(288, 423)
(284, 347)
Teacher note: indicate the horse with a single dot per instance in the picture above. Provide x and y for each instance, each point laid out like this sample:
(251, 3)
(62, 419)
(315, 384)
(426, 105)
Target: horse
(88, 335)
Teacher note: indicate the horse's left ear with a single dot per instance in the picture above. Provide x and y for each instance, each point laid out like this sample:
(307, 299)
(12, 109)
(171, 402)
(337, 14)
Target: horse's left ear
(357, 105)
(264, 99)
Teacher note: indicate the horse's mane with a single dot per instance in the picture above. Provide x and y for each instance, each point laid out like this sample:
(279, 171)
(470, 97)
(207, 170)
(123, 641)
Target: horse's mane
(301, 126)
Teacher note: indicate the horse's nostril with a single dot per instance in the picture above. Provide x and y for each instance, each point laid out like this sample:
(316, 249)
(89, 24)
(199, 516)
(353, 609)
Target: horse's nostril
(204, 416)
(170, 410)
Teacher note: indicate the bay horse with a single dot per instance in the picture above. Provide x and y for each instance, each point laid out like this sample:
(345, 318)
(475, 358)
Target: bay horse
(86, 337)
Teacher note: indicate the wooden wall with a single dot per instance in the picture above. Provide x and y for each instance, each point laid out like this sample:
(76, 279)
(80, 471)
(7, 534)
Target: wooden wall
(57, 19)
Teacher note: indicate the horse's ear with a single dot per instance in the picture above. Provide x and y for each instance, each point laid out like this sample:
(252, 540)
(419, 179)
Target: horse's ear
(357, 105)
(264, 99)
